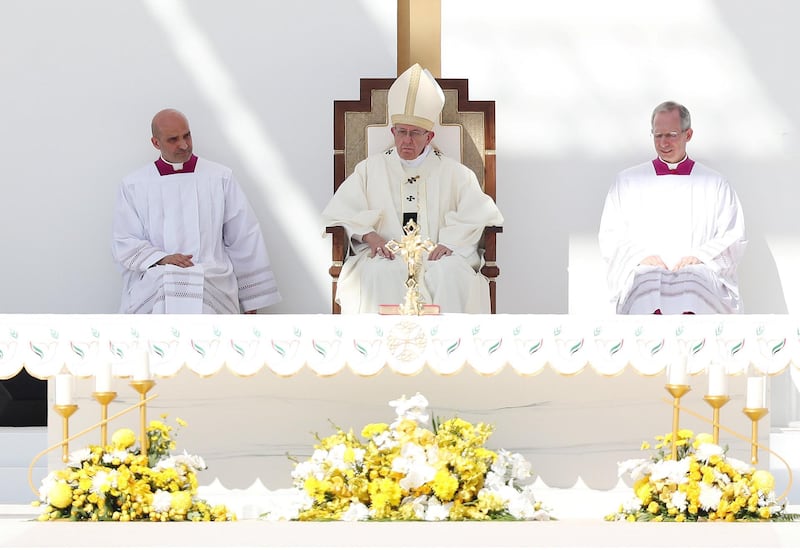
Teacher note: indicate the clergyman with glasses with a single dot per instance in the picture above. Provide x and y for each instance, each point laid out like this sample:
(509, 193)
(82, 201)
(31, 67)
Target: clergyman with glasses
(672, 230)
(412, 180)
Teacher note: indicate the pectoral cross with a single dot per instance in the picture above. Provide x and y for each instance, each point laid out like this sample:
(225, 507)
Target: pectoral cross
(411, 246)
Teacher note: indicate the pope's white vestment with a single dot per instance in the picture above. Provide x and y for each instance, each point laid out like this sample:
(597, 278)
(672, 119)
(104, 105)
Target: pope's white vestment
(451, 210)
(689, 210)
(204, 213)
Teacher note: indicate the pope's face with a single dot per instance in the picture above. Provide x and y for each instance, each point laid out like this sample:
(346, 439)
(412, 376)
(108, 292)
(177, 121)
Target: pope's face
(173, 138)
(410, 140)
(669, 140)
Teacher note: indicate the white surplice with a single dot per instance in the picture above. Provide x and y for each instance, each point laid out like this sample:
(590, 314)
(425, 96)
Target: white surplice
(673, 215)
(451, 210)
(203, 213)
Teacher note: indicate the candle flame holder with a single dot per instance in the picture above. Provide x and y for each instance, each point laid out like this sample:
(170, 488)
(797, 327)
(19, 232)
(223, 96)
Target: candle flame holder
(143, 386)
(65, 411)
(716, 402)
(754, 415)
(104, 398)
(676, 391)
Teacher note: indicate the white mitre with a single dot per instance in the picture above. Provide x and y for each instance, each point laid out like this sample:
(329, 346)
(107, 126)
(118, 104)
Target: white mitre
(415, 98)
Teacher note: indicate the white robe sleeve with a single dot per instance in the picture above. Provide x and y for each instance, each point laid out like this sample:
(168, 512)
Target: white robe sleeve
(474, 210)
(621, 252)
(130, 246)
(349, 206)
(245, 246)
(723, 252)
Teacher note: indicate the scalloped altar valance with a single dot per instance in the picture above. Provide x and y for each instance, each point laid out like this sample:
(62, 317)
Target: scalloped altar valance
(366, 344)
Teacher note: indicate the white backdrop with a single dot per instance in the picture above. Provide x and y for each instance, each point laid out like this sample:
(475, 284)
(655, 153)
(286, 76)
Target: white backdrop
(574, 82)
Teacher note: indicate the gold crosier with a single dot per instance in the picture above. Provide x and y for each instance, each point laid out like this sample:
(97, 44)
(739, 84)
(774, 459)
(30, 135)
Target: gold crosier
(411, 246)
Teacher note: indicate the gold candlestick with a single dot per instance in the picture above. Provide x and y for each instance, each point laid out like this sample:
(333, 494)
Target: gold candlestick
(104, 398)
(143, 386)
(65, 411)
(716, 402)
(754, 415)
(676, 391)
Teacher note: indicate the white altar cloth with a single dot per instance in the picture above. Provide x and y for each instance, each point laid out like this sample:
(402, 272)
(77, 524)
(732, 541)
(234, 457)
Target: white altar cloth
(575, 395)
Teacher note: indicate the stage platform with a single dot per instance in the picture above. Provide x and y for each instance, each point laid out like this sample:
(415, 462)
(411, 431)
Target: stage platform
(17, 530)
(579, 511)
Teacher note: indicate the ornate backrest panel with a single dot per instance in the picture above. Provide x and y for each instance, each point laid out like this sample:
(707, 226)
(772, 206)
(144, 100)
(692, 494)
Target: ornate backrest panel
(465, 131)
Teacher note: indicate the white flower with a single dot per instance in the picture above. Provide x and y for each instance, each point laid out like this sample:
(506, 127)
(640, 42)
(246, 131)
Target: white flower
(162, 501)
(356, 512)
(707, 450)
(678, 500)
(739, 465)
(304, 470)
(414, 408)
(102, 481)
(286, 504)
(709, 497)
(385, 441)
(418, 475)
(636, 467)
(76, 458)
(181, 463)
(721, 478)
(118, 454)
(493, 480)
(436, 511)
(766, 500)
(337, 461)
(632, 504)
(521, 506)
(674, 471)
(193, 462)
(47, 484)
(414, 464)
(512, 467)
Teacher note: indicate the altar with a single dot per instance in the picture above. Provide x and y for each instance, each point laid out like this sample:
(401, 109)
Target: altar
(575, 395)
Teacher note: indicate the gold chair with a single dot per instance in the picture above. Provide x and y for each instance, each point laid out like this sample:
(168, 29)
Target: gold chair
(465, 133)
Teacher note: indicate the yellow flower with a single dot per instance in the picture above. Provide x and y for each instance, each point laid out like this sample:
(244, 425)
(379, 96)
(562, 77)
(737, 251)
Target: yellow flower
(181, 501)
(371, 430)
(653, 507)
(444, 485)
(645, 445)
(181, 422)
(703, 438)
(123, 438)
(642, 489)
(60, 495)
(763, 481)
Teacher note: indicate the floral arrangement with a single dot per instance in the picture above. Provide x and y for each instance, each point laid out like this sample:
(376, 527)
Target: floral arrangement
(703, 484)
(406, 471)
(120, 483)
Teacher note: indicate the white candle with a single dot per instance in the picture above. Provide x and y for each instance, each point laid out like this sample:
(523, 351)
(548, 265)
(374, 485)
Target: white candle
(678, 376)
(141, 369)
(102, 382)
(64, 389)
(756, 392)
(717, 380)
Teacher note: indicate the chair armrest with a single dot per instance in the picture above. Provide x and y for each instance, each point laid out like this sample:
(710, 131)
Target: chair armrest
(490, 268)
(338, 248)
